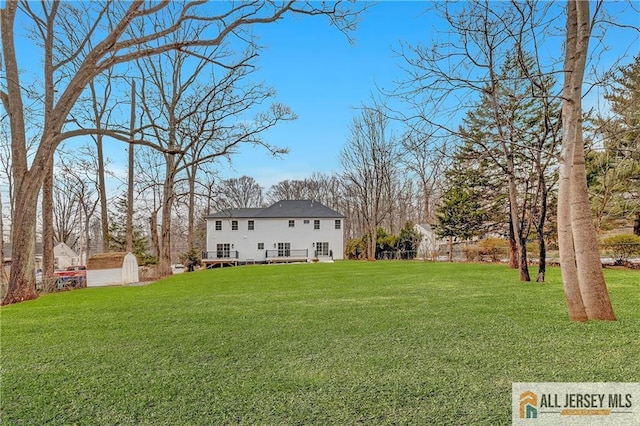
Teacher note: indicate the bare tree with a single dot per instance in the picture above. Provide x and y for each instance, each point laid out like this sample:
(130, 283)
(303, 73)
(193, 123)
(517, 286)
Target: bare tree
(100, 108)
(148, 192)
(79, 171)
(74, 196)
(320, 187)
(425, 157)
(289, 189)
(96, 111)
(96, 38)
(369, 161)
(238, 193)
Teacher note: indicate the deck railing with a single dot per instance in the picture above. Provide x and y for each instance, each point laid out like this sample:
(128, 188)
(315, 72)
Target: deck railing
(288, 253)
(219, 254)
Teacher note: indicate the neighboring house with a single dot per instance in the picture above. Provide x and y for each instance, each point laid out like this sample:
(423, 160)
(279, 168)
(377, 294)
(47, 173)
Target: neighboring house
(287, 231)
(64, 256)
(430, 244)
(8, 250)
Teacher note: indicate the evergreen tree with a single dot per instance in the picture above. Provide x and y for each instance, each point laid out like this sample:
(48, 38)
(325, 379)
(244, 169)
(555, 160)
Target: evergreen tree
(462, 215)
(614, 161)
(408, 241)
(518, 145)
(118, 233)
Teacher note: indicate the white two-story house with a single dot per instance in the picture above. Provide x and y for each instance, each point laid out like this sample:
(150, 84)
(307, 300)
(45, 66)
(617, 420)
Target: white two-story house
(287, 231)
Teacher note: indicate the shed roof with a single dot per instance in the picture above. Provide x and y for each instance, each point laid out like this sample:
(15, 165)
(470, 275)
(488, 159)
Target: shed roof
(282, 209)
(106, 260)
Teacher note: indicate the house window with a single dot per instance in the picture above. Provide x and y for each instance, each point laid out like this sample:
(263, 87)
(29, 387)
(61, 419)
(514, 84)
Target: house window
(338, 224)
(223, 250)
(251, 225)
(292, 223)
(260, 246)
(234, 225)
(218, 225)
(284, 249)
(316, 224)
(322, 249)
(306, 221)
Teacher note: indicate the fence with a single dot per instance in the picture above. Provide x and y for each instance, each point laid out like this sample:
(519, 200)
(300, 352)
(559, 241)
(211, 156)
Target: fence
(289, 253)
(396, 255)
(220, 254)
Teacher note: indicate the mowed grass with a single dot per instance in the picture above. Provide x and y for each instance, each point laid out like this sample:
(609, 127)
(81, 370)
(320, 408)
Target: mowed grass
(344, 343)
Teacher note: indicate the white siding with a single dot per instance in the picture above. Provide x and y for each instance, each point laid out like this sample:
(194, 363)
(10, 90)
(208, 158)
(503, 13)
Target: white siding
(102, 277)
(64, 256)
(130, 272)
(302, 236)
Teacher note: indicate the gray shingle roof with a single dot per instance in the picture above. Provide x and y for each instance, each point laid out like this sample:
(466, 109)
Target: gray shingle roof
(283, 209)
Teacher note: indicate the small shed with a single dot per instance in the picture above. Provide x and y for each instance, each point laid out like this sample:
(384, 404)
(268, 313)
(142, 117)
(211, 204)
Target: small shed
(112, 269)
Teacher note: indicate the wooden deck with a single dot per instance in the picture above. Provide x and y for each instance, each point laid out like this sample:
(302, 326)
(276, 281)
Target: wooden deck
(210, 263)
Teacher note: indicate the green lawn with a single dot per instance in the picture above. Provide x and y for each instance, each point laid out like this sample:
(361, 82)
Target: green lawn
(343, 343)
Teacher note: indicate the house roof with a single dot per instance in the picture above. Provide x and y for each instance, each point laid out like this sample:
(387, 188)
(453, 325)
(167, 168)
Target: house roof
(62, 249)
(282, 209)
(8, 249)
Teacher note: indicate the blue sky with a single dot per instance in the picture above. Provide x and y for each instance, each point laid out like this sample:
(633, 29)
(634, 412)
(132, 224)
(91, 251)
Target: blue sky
(322, 77)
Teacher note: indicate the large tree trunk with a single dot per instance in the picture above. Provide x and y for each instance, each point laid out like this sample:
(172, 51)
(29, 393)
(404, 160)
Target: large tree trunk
(153, 232)
(590, 275)
(132, 125)
(192, 208)
(568, 267)
(542, 245)
(4, 278)
(371, 247)
(104, 212)
(102, 187)
(164, 264)
(48, 257)
(520, 246)
(27, 185)
(583, 279)
(22, 280)
(524, 263)
(513, 246)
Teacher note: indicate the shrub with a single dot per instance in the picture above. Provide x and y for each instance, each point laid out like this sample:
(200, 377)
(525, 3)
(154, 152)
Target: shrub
(190, 259)
(493, 247)
(471, 252)
(623, 246)
(355, 248)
